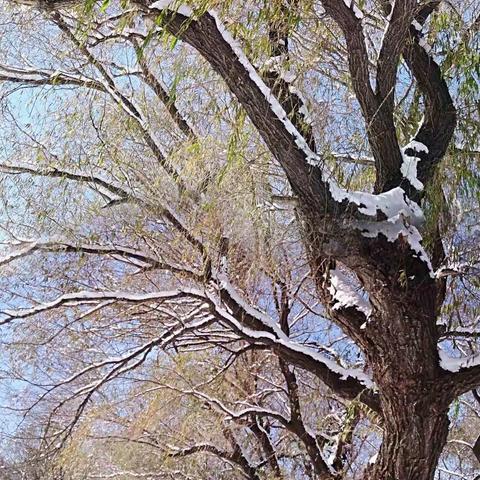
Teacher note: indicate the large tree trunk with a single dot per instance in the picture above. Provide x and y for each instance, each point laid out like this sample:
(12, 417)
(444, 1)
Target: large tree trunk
(415, 432)
(407, 372)
(399, 341)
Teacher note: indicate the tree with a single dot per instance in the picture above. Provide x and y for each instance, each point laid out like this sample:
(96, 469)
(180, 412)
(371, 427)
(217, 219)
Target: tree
(225, 226)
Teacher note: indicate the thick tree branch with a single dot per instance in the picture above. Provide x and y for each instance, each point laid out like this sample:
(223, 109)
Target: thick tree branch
(462, 381)
(208, 36)
(439, 121)
(377, 109)
(399, 21)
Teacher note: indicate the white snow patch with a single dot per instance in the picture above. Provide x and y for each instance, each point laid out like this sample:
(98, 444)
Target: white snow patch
(351, 4)
(398, 227)
(345, 294)
(455, 364)
(417, 146)
(392, 8)
(287, 75)
(417, 26)
(422, 37)
(306, 114)
(172, 5)
(424, 44)
(409, 164)
(303, 109)
(391, 203)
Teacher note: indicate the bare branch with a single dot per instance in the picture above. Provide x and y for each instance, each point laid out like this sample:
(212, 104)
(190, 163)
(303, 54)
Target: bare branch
(137, 257)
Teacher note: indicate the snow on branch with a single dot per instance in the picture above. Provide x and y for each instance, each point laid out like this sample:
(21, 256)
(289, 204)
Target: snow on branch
(38, 77)
(231, 457)
(392, 204)
(236, 414)
(452, 364)
(352, 158)
(411, 154)
(274, 336)
(461, 374)
(175, 5)
(345, 295)
(350, 382)
(460, 332)
(275, 105)
(139, 258)
(440, 116)
(93, 297)
(351, 5)
(399, 227)
(455, 269)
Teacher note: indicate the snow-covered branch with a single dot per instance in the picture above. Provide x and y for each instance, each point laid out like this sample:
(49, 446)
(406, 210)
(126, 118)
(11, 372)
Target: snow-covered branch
(227, 57)
(345, 295)
(462, 374)
(247, 322)
(138, 258)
